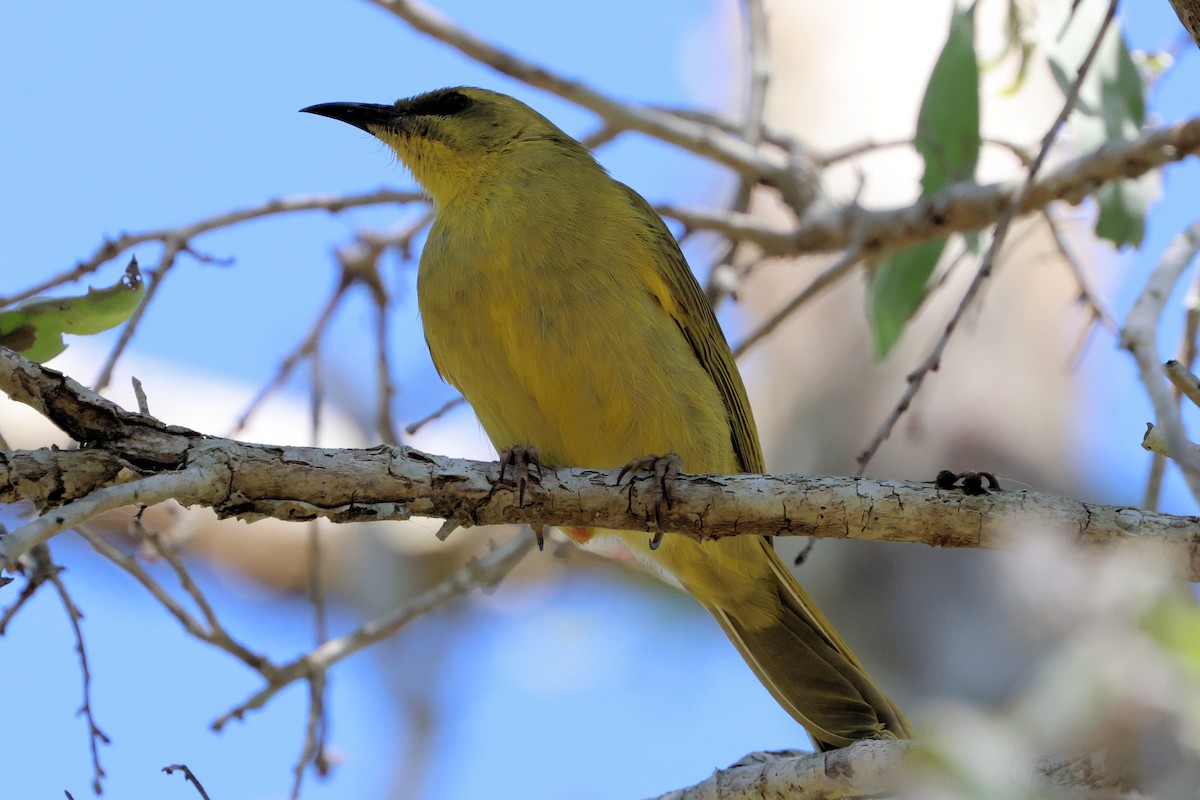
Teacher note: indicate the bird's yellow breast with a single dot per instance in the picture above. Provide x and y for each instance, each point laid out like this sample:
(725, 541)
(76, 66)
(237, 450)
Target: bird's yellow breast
(539, 303)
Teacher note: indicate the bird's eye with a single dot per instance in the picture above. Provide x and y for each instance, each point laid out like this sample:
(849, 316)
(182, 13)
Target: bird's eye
(443, 105)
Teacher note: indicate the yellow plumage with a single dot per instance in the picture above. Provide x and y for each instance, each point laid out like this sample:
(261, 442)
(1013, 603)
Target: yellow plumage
(559, 304)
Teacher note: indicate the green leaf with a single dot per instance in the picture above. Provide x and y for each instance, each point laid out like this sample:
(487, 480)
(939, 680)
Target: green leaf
(948, 122)
(898, 287)
(1111, 107)
(948, 140)
(1123, 206)
(35, 327)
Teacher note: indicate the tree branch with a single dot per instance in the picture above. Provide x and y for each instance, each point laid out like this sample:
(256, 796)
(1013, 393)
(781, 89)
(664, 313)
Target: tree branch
(181, 235)
(1140, 338)
(1188, 12)
(872, 768)
(710, 141)
(252, 481)
(957, 208)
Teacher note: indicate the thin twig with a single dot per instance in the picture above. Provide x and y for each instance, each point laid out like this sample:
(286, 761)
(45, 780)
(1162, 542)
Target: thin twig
(1087, 294)
(167, 550)
(1184, 381)
(860, 149)
(385, 423)
(289, 362)
(758, 79)
(187, 776)
(111, 248)
(215, 634)
(863, 148)
(483, 572)
(154, 280)
(444, 409)
(315, 732)
(317, 727)
(916, 379)
(829, 277)
(140, 394)
(706, 140)
(36, 579)
(96, 737)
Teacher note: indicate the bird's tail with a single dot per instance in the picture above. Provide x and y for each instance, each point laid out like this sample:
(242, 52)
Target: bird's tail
(801, 659)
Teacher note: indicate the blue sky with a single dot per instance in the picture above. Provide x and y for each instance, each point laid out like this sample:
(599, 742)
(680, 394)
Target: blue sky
(136, 115)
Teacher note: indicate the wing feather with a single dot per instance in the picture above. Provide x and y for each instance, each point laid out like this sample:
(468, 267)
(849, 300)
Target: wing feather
(681, 296)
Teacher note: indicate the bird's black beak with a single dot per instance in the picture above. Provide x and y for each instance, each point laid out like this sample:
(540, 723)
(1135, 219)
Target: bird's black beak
(360, 115)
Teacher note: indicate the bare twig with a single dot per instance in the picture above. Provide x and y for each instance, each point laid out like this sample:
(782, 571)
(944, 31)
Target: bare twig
(1087, 294)
(187, 776)
(1184, 381)
(916, 379)
(215, 634)
(140, 394)
(758, 79)
(304, 349)
(484, 572)
(317, 727)
(154, 279)
(1154, 479)
(315, 732)
(441, 411)
(170, 553)
(96, 737)
(112, 248)
(1140, 338)
(385, 423)
(37, 577)
(863, 148)
(829, 277)
(957, 208)
(768, 166)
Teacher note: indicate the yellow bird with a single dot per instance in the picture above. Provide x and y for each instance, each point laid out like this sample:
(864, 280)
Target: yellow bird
(556, 300)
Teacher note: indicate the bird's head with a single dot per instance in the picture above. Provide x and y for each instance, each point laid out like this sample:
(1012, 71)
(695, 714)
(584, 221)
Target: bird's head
(457, 138)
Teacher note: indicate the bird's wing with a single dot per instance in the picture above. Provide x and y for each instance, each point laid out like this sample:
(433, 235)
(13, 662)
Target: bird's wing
(681, 296)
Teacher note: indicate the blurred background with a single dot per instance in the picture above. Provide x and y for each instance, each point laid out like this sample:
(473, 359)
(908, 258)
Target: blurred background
(577, 677)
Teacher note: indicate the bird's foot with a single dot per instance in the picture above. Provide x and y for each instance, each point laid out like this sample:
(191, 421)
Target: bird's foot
(972, 482)
(525, 462)
(664, 470)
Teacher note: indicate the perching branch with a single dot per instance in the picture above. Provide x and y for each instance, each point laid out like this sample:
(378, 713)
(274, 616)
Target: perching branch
(349, 485)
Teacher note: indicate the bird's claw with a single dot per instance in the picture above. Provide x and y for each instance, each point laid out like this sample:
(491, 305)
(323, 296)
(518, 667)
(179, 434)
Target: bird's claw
(664, 470)
(522, 460)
